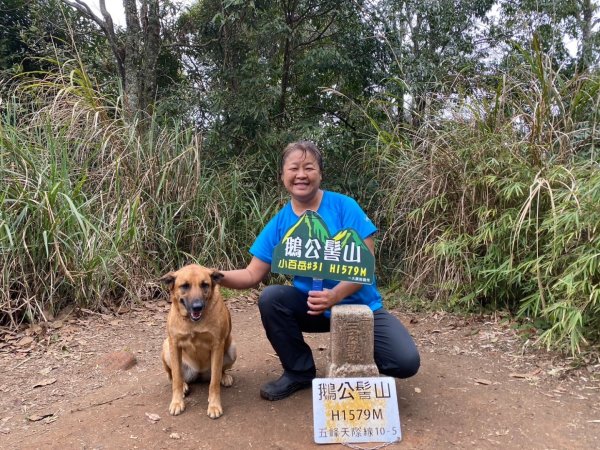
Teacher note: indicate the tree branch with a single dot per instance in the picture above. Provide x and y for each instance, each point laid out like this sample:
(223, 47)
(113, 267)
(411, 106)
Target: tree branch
(106, 25)
(85, 10)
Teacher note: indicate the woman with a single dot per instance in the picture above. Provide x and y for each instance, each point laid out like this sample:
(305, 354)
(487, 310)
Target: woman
(287, 311)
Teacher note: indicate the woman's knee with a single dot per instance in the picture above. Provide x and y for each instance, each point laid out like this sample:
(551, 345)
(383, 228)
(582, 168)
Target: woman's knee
(269, 298)
(396, 354)
(280, 299)
(409, 365)
(404, 365)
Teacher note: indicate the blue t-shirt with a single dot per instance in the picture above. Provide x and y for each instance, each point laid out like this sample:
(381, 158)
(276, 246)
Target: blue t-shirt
(339, 212)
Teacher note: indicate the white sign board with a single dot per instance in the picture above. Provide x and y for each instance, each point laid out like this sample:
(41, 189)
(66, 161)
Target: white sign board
(353, 410)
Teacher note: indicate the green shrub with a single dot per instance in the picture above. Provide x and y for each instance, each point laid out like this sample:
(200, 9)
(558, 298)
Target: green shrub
(497, 205)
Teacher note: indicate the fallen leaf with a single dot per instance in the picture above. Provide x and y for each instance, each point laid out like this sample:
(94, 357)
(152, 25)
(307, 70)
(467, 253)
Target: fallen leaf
(122, 310)
(56, 325)
(45, 382)
(153, 417)
(38, 417)
(482, 381)
(25, 341)
(526, 375)
(34, 329)
(518, 375)
(50, 419)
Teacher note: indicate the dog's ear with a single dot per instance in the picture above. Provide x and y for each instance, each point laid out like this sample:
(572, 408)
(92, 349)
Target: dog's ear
(216, 276)
(168, 279)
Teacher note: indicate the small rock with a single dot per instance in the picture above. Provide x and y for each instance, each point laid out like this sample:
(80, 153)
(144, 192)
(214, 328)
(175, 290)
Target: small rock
(46, 371)
(153, 417)
(175, 436)
(122, 360)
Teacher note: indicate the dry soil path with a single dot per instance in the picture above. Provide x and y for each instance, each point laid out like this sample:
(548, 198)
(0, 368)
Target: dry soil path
(479, 387)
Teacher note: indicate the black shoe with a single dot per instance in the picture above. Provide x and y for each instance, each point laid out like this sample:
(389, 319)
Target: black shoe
(282, 388)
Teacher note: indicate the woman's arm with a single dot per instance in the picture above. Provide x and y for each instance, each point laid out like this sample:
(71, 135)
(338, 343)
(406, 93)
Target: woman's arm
(246, 278)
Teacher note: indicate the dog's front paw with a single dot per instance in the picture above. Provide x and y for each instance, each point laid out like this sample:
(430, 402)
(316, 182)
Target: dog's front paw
(176, 407)
(226, 380)
(214, 411)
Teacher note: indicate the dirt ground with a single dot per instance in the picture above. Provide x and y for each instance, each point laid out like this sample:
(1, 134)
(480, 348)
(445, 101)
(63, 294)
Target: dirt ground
(480, 386)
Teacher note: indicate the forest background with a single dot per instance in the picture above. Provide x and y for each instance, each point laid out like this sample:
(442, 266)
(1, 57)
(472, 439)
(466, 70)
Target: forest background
(466, 129)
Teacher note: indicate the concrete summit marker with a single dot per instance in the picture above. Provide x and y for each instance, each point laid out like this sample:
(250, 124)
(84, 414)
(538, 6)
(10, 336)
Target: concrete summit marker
(351, 342)
(353, 404)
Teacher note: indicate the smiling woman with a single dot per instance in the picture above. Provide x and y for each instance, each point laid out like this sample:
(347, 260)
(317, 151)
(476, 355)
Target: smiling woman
(288, 311)
(301, 175)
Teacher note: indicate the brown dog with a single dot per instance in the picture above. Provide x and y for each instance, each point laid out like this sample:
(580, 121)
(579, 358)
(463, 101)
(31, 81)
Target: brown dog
(199, 344)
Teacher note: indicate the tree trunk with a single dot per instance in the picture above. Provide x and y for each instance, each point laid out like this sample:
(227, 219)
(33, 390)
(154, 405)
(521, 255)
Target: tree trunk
(285, 78)
(142, 45)
(585, 58)
(136, 55)
(131, 89)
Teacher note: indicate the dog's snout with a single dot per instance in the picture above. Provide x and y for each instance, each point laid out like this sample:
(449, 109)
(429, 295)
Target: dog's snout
(196, 308)
(198, 305)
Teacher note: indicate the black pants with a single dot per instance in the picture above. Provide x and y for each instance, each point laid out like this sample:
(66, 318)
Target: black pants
(283, 310)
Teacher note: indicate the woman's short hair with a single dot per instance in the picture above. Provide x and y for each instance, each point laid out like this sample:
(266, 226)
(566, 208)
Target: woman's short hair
(305, 147)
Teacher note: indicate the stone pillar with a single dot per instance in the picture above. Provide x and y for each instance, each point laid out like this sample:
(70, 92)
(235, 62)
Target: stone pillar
(351, 342)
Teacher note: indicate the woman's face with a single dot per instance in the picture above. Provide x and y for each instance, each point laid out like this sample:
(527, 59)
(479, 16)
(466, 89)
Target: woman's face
(301, 175)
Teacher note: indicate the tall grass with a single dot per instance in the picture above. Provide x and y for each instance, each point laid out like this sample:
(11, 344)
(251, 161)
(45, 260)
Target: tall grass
(498, 204)
(92, 211)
